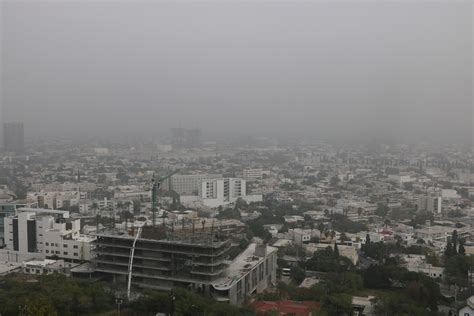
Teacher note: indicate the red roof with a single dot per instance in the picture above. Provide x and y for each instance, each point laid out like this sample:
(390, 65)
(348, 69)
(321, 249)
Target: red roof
(303, 308)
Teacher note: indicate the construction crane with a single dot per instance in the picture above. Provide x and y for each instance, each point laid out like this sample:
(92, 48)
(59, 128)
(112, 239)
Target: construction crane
(155, 187)
(156, 184)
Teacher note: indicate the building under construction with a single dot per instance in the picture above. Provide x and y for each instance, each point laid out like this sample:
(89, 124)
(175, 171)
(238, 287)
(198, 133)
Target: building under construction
(163, 260)
(197, 259)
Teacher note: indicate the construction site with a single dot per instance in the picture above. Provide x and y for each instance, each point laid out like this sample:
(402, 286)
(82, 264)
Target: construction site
(193, 253)
(197, 259)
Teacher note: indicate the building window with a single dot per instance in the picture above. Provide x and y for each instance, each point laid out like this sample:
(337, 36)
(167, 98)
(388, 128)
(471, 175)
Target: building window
(47, 244)
(76, 254)
(75, 247)
(65, 245)
(47, 251)
(65, 253)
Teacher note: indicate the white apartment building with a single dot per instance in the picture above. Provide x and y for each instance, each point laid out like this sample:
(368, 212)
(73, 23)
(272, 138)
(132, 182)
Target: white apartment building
(400, 179)
(417, 263)
(47, 266)
(48, 232)
(217, 192)
(45, 200)
(302, 236)
(432, 204)
(67, 199)
(188, 184)
(252, 174)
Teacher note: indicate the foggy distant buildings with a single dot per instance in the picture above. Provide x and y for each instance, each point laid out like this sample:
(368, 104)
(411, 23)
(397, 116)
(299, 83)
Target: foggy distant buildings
(185, 138)
(13, 137)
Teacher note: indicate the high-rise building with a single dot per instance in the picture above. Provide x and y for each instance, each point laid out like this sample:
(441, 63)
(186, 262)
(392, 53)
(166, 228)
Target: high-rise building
(217, 192)
(13, 137)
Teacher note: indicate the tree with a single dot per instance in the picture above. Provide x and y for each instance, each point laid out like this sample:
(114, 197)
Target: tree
(344, 237)
(457, 268)
(297, 274)
(334, 181)
(382, 210)
(95, 206)
(336, 250)
(449, 250)
(39, 306)
(325, 260)
(321, 227)
(454, 240)
(136, 207)
(461, 250)
(337, 304)
(376, 277)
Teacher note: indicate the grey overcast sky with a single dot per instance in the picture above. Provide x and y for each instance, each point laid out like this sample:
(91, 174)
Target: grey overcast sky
(362, 69)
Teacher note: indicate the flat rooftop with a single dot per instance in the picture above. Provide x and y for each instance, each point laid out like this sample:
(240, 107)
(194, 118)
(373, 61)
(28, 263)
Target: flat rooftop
(6, 268)
(240, 266)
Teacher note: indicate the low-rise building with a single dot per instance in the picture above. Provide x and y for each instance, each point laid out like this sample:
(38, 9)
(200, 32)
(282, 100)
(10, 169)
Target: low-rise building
(51, 233)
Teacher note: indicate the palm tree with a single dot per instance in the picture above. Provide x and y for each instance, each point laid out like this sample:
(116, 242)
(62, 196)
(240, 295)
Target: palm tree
(321, 227)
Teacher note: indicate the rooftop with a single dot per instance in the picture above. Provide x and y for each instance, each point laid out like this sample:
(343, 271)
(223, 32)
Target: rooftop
(240, 266)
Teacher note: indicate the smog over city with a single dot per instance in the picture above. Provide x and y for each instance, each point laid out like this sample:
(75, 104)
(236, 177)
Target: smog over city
(236, 157)
(398, 70)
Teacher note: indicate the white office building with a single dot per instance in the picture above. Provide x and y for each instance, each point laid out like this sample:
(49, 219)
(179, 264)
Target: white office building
(220, 192)
(50, 233)
(188, 184)
(252, 174)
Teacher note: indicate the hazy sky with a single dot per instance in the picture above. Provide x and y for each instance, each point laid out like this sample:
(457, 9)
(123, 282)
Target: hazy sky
(331, 69)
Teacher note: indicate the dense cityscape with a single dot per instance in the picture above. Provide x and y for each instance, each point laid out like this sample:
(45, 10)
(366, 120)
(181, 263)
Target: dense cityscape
(256, 228)
(236, 158)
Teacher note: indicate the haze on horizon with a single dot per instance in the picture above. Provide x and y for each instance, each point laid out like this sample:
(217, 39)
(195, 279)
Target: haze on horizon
(346, 69)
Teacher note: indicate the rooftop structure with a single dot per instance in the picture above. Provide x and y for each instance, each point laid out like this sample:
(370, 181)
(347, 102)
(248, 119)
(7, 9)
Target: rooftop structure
(253, 271)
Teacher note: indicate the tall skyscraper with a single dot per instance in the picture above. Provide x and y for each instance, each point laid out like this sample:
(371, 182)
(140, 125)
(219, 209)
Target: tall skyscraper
(13, 137)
